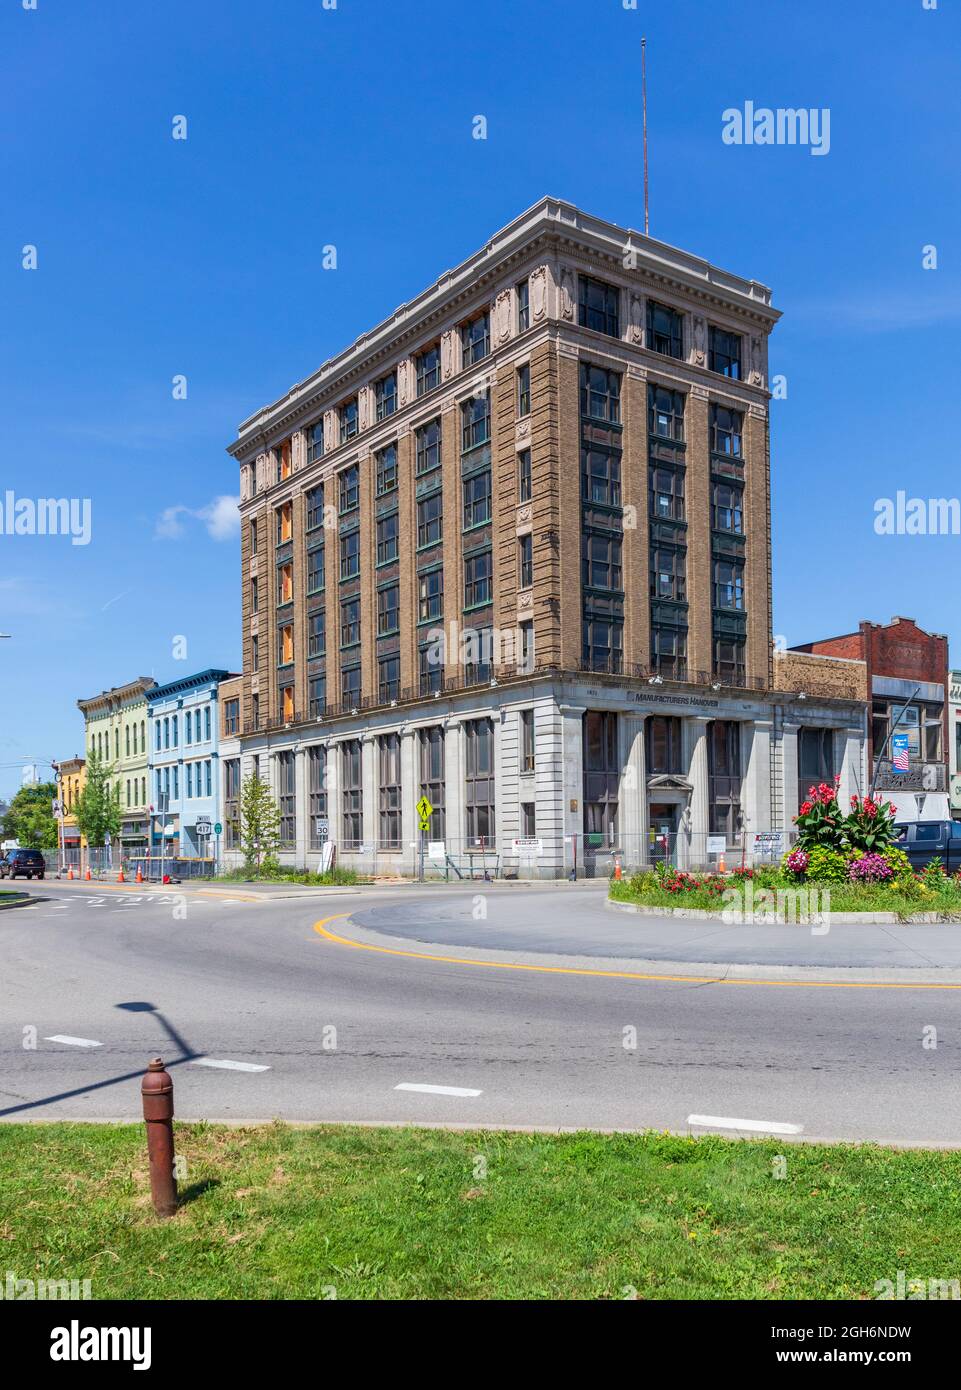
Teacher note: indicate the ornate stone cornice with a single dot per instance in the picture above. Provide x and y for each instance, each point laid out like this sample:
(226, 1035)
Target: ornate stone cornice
(551, 227)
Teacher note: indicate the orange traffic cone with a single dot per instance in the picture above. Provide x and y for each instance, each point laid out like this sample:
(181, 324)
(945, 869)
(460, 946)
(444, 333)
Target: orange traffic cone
(617, 867)
(87, 874)
(139, 875)
(120, 877)
(70, 872)
(721, 866)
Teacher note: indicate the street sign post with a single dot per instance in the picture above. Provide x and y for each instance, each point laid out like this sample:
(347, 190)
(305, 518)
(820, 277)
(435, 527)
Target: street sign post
(424, 812)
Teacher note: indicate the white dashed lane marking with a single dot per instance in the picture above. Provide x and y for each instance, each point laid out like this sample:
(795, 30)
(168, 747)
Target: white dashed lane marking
(72, 1042)
(437, 1090)
(228, 1066)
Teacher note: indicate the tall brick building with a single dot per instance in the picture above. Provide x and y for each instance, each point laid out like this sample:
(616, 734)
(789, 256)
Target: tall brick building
(907, 670)
(511, 550)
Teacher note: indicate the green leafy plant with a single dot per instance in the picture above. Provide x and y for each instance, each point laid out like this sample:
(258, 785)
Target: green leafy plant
(903, 874)
(259, 827)
(820, 818)
(30, 819)
(869, 827)
(827, 865)
(98, 808)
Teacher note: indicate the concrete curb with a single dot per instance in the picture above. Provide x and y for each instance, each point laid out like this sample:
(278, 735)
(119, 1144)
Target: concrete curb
(678, 971)
(843, 919)
(17, 902)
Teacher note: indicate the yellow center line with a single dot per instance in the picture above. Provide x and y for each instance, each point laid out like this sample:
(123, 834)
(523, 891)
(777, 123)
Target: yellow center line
(321, 929)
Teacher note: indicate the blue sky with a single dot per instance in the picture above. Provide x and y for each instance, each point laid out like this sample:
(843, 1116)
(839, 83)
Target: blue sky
(352, 126)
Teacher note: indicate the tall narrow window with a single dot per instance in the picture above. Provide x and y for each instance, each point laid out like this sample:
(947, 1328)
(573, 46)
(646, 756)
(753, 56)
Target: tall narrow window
(317, 795)
(523, 307)
(430, 519)
(475, 421)
(315, 441)
(527, 740)
(385, 396)
(353, 794)
(477, 499)
(524, 476)
(348, 481)
(389, 820)
(388, 610)
(524, 389)
(428, 369)
(348, 420)
(430, 595)
(232, 803)
(432, 782)
(724, 777)
(388, 533)
(525, 561)
(316, 696)
(428, 447)
(475, 339)
(388, 679)
(601, 777)
(726, 431)
(479, 779)
(314, 508)
(386, 461)
(286, 798)
(350, 555)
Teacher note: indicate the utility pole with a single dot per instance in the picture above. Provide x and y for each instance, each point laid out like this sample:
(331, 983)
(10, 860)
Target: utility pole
(647, 220)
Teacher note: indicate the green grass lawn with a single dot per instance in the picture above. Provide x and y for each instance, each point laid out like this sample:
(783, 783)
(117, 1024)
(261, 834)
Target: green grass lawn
(278, 1212)
(306, 877)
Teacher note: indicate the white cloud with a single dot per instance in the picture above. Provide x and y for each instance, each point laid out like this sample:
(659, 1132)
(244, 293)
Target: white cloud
(221, 518)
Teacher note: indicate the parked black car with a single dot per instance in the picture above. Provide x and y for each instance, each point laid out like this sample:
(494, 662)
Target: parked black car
(28, 862)
(924, 840)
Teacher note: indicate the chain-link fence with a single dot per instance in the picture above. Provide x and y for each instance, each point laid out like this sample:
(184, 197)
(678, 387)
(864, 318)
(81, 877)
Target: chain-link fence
(536, 857)
(106, 864)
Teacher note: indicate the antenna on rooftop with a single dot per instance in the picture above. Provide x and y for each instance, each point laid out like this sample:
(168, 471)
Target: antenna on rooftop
(647, 221)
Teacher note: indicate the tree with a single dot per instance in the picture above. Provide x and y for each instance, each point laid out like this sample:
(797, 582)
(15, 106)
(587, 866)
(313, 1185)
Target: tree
(259, 826)
(97, 811)
(30, 819)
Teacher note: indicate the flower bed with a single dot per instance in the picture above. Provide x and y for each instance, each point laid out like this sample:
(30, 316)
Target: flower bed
(850, 855)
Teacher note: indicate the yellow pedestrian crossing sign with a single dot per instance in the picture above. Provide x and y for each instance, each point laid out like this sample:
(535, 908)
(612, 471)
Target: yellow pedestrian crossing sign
(424, 810)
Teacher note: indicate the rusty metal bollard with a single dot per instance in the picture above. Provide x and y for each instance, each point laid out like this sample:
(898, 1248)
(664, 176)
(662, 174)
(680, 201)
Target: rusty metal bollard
(157, 1092)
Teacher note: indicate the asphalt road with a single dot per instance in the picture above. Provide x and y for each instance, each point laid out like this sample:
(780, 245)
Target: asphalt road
(325, 1031)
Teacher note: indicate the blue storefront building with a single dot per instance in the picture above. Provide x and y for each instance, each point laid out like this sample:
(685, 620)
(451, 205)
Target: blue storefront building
(184, 783)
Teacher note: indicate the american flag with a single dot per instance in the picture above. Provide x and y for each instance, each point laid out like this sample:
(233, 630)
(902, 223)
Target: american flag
(900, 761)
